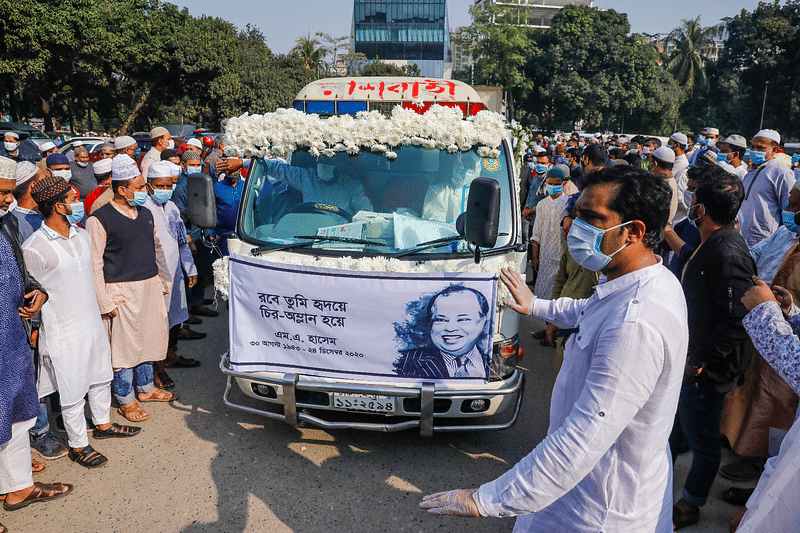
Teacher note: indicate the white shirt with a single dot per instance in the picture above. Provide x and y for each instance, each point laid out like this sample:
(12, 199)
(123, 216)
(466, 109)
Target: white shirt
(547, 227)
(681, 162)
(766, 191)
(740, 171)
(770, 252)
(681, 182)
(605, 463)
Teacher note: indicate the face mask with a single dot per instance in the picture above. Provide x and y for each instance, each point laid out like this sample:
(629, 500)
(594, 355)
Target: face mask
(688, 196)
(584, 241)
(788, 220)
(82, 165)
(10, 208)
(701, 140)
(171, 145)
(530, 165)
(795, 159)
(65, 174)
(689, 214)
(722, 158)
(77, 214)
(646, 150)
(325, 172)
(139, 197)
(580, 145)
(553, 190)
(137, 153)
(541, 169)
(10, 147)
(757, 157)
(193, 170)
(161, 196)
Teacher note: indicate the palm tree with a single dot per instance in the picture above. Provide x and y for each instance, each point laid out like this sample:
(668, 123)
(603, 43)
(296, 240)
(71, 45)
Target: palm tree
(311, 52)
(688, 61)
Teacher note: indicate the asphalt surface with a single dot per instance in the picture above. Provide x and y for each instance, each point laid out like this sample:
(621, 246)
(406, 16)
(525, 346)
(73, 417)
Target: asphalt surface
(199, 466)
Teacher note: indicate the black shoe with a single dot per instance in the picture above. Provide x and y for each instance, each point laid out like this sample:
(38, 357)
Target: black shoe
(538, 335)
(737, 496)
(208, 301)
(743, 469)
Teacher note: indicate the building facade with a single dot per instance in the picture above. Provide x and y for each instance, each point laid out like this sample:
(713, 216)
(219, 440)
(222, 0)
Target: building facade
(536, 13)
(404, 32)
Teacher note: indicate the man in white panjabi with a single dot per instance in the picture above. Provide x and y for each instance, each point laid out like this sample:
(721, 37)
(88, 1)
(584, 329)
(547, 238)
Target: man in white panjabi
(76, 356)
(605, 464)
(131, 276)
(546, 238)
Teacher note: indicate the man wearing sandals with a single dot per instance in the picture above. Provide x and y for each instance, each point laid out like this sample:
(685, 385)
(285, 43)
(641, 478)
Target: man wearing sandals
(131, 278)
(76, 356)
(21, 298)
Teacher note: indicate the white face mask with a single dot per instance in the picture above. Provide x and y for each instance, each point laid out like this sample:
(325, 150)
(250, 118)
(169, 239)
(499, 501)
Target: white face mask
(646, 150)
(65, 174)
(10, 208)
(325, 172)
(688, 196)
(171, 145)
(10, 147)
(80, 164)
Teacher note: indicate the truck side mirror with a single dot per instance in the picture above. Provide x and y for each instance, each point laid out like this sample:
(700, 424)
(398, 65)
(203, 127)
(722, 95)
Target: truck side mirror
(483, 213)
(200, 200)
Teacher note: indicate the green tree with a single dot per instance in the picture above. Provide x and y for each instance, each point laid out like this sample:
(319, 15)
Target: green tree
(687, 63)
(378, 68)
(311, 52)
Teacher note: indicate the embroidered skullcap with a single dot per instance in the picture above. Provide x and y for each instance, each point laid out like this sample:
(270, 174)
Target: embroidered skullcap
(8, 169)
(680, 138)
(49, 145)
(123, 142)
(166, 154)
(25, 171)
(160, 131)
(48, 187)
(56, 159)
(712, 131)
(736, 140)
(772, 135)
(559, 171)
(10, 134)
(159, 169)
(195, 142)
(190, 155)
(103, 166)
(123, 167)
(662, 153)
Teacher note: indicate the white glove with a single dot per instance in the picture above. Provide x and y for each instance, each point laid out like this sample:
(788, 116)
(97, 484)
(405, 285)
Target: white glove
(454, 503)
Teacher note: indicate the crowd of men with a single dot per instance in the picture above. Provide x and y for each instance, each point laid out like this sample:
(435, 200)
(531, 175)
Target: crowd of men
(102, 276)
(645, 256)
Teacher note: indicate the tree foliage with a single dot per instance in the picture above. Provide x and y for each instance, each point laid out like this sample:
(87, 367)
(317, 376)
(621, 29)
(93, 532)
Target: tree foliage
(687, 63)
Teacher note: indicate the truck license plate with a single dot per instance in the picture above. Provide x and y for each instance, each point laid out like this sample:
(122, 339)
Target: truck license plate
(364, 402)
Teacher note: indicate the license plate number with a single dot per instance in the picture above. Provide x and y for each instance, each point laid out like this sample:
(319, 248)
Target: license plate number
(364, 402)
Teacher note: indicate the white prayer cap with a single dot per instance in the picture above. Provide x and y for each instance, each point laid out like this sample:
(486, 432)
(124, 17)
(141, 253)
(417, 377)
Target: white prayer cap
(679, 138)
(49, 145)
(10, 134)
(772, 135)
(664, 154)
(736, 140)
(538, 149)
(123, 142)
(598, 135)
(124, 168)
(25, 171)
(622, 139)
(176, 169)
(712, 131)
(195, 142)
(160, 169)
(158, 131)
(77, 143)
(103, 166)
(8, 169)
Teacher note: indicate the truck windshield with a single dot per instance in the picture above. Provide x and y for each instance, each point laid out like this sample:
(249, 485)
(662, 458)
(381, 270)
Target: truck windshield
(367, 202)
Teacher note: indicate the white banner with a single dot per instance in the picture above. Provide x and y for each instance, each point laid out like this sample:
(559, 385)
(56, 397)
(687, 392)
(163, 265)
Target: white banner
(360, 325)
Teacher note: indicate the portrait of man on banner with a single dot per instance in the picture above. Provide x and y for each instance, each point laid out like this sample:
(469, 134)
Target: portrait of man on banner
(446, 334)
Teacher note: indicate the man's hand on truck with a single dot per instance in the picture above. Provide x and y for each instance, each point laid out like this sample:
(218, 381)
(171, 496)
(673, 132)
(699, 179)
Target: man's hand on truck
(523, 297)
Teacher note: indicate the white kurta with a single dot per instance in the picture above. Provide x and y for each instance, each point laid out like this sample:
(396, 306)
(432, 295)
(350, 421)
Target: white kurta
(72, 339)
(547, 232)
(177, 254)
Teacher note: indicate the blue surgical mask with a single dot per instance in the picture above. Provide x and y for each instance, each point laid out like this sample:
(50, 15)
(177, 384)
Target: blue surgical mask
(136, 153)
(161, 196)
(553, 190)
(193, 170)
(78, 213)
(788, 220)
(580, 145)
(757, 157)
(139, 197)
(541, 169)
(795, 159)
(584, 241)
(530, 165)
(722, 158)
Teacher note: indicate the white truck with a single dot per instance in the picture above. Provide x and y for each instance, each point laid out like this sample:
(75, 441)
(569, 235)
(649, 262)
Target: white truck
(368, 181)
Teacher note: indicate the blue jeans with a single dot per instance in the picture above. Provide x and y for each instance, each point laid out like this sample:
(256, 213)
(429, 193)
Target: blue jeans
(42, 424)
(123, 382)
(697, 421)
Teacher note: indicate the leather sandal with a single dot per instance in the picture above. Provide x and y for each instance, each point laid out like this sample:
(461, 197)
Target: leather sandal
(116, 431)
(163, 381)
(183, 362)
(136, 410)
(737, 496)
(684, 514)
(160, 396)
(3, 529)
(36, 467)
(41, 492)
(88, 457)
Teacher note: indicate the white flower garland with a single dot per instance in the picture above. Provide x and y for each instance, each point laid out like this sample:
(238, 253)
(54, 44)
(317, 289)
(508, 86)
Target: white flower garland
(286, 130)
(373, 264)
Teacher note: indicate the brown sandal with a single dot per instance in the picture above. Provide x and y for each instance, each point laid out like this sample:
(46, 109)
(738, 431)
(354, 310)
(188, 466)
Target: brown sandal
(36, 467)
(134, 413)
(3, 529)
(159, 396)
(40, 492)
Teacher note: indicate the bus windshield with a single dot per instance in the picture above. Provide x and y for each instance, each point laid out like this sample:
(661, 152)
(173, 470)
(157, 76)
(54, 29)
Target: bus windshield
(369, 203)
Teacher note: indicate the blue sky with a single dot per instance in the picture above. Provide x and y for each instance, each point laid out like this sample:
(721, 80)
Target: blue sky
(283, 22)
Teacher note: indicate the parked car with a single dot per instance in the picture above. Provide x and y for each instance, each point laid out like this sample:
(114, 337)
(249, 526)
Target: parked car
(26, 131)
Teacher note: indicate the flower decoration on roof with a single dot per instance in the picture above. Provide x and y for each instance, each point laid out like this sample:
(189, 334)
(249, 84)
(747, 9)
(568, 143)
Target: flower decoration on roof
(288, 130)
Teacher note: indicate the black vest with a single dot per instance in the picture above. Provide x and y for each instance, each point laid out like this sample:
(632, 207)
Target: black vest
(130, 253)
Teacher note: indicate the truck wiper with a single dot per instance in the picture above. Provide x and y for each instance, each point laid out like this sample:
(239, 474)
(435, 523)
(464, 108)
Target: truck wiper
(321, 238)
(312, 239)
(428, 245)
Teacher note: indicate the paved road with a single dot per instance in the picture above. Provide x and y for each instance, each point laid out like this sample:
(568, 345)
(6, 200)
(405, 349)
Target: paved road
(199, 466)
